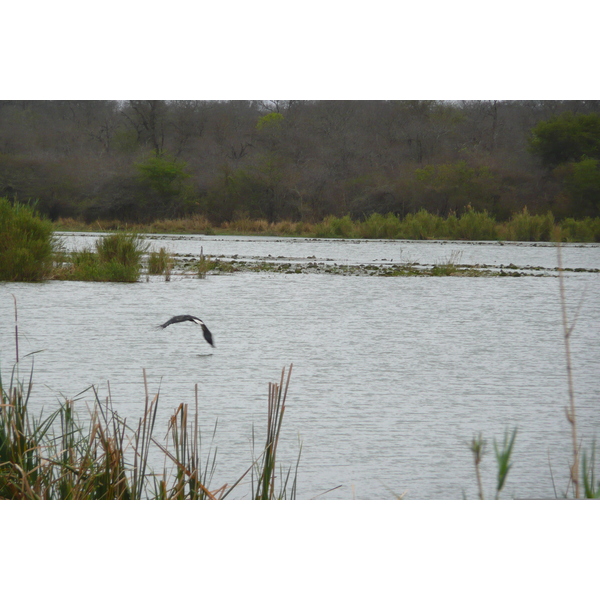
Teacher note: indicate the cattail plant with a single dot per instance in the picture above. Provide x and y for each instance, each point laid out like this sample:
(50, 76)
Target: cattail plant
(264, 475)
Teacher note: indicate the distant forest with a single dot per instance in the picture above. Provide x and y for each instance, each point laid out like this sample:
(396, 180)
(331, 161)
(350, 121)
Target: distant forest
(139, 161)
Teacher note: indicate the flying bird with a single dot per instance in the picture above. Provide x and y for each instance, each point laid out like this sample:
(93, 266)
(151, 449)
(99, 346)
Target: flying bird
(178, 319)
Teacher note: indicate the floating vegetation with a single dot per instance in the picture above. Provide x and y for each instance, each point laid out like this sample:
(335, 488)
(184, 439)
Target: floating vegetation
(446, 268)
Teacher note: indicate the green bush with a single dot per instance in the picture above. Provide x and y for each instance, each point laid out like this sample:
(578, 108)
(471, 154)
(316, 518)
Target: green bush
(27, 245)
(530, 228)
(423, 226)
(117, 258)
(334, 227)
(381, 227)
(584, 230)
(124, 248)
(474, 225)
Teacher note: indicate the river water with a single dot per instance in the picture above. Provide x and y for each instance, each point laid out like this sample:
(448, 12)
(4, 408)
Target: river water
(392, 376)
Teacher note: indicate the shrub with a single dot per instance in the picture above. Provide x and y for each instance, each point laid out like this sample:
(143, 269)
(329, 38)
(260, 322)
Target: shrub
(124, 248)
(334, 227)
(381, 227)
(585, 230)
(530, 228)
(117, 258)
(474, 225)
(422, 226)
(27, 245)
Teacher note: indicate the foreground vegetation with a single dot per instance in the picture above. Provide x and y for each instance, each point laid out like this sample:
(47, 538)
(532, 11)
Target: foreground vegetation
(60, 457)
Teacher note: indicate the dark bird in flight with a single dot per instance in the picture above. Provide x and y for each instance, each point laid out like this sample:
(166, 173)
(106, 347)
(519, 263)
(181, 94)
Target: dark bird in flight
(178, 319)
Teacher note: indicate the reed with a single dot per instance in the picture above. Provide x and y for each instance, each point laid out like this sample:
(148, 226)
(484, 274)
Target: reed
(448, 266)
(503, 459)
(503, 463)
(37, 463)
(473, 225)
(378, 226)
(160, 262)
(571, 413)
(124, 248)
(264, 474)
(423, 226)
(590, 486)
(584, 230)
(334, 227)
(204, 265)
(108, 460)
(477, 446)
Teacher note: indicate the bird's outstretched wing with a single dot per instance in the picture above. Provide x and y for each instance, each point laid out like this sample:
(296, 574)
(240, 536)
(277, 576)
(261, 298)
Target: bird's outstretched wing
(207, 334)
(180, 318)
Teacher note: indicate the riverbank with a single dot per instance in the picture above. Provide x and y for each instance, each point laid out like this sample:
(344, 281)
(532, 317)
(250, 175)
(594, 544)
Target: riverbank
(471, 225)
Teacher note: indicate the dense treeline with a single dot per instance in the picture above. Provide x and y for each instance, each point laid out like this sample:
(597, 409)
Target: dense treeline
(300, 160)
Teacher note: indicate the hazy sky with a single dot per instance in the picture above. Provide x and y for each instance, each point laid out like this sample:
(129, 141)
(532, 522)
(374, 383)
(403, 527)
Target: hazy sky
(317, 50)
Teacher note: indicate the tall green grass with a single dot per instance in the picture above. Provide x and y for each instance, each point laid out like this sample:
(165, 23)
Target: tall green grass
(531, 228)
(471, 225)
(160, 263)
(117, 257)
(584, 230)
(421, 225)
(27, 245)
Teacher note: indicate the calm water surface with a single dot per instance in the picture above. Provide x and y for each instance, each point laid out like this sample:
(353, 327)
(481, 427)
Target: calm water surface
(392, 377)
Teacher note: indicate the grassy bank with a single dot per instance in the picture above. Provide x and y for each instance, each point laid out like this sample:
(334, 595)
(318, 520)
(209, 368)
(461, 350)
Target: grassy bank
(471, 225)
